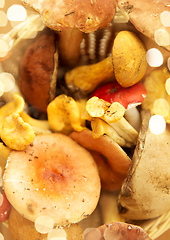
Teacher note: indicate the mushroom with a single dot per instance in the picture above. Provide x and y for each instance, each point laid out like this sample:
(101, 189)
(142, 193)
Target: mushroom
(128, 64)
(129, 98)
(38, 71)
(17, 128)
(62, 182)
(64, 114)
(117, 231)
(111, 114)
(71, 18)
(25, 229)
(156, 13)
(113, 163)
(145, 192)
(88, 16)
(15, 133)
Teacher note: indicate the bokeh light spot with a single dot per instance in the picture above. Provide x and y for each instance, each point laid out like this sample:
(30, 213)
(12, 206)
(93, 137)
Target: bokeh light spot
(4, 48)
(1, 199)
(165, 18)
(162, 37)
(8, 81)
(2, 3)
(157, 124)
(3, 19)
(167, 86)
(44, 224)
(154, 57)
(57, 234)
(161, 107)
(16, 13)
(1, 236)
(1, 89)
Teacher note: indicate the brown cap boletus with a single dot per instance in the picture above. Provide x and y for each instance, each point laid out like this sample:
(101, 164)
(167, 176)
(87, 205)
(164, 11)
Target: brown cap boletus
(38, 71)
(88, 16)
(55, 177)
(150, 17)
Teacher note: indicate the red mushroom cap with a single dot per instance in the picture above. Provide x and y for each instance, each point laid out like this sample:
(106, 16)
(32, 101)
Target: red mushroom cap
(128, 97)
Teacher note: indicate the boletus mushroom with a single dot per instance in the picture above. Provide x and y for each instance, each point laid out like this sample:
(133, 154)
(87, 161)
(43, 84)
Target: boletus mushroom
(145, 192)
(38, 71)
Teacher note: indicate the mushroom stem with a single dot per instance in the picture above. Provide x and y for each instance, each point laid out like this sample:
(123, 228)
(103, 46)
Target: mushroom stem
(87, 77)
(125, 130)
(132, 115)
(69, 46)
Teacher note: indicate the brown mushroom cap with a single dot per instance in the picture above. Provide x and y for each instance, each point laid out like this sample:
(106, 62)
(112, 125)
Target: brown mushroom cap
(38, 71)
(86, 15)
(113, 163)
(117, 231)
(55, 177)
(146, 16)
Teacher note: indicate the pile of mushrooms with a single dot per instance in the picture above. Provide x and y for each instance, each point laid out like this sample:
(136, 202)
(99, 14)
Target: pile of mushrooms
(94, 136)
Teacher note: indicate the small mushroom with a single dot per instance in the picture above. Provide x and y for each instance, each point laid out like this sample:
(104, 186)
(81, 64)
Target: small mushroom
(62, 182)
(112, 114)
(129, 98)
(15, 133)
(17, 106)
(64, 114)
(38, 71)
(113, 163)
(128, 64)
(117, 231)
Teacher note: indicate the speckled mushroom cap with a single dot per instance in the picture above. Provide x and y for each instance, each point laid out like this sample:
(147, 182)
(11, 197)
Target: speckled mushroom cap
(150, 17)
(117, 231)
(86, 15)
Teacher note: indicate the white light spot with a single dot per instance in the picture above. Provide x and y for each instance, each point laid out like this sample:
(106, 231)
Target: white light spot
(16, 13)
(1, 199)
(44, 224)
(1, 89)
(94, 234)
(162, 37)
(8, 81)
(161, 107)
(165, 18)
(7, 39)
(3, 19)
(57, 234)
(157, 124)
(168, 63)
(154, 57)
(2, 3)
(167, 86)
(1, 236)
(4, 48)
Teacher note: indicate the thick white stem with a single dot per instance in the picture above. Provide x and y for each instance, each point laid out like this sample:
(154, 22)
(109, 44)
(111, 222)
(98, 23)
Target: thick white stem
(132, 115)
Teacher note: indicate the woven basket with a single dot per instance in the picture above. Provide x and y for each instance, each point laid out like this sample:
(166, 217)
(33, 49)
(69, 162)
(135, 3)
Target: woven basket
(21, 39)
